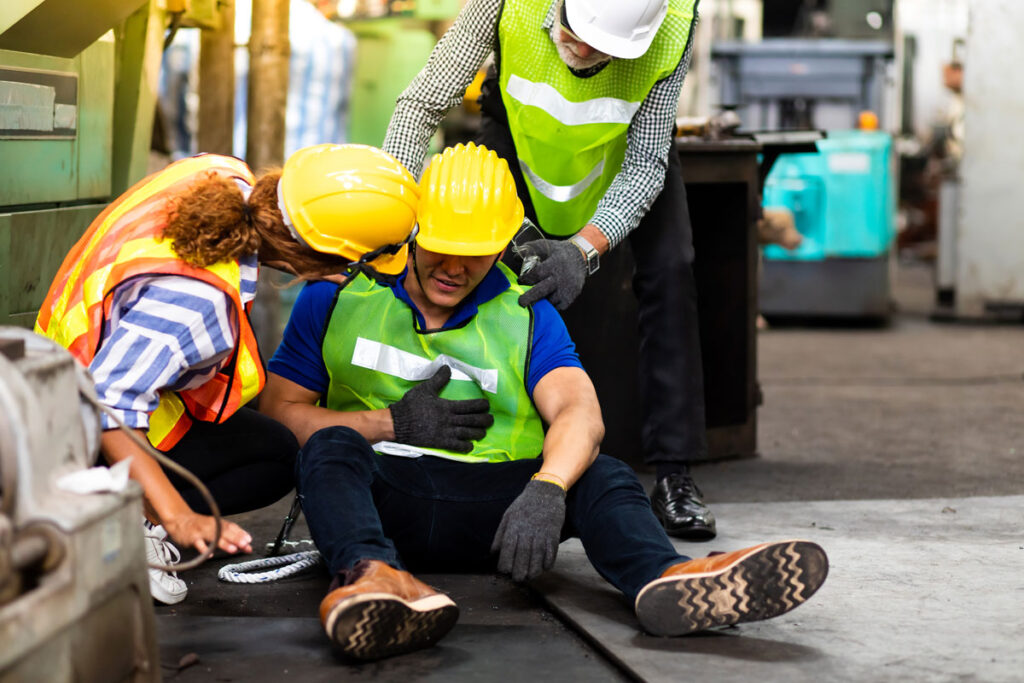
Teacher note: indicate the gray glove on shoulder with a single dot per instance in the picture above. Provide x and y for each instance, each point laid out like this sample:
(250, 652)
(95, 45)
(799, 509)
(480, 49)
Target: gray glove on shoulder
(530, 531)
(559, 273)
(423, 418)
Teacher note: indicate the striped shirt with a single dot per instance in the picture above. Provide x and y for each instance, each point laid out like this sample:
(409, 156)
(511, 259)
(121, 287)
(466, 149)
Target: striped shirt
(453, 64)
(164, 333)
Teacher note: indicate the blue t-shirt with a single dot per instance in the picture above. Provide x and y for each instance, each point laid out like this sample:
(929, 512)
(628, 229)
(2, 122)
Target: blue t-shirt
(300, 359)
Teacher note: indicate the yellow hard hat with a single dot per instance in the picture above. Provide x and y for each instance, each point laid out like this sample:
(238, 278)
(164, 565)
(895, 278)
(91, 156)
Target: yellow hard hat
(468, 203)
(352, 200)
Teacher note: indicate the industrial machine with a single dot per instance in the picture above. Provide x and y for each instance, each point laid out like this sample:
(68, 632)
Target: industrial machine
(77, 96)
(843, 198)
(843, 204)
(74, 593)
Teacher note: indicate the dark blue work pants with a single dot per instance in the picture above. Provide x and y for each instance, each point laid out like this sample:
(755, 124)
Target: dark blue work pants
(430, 514)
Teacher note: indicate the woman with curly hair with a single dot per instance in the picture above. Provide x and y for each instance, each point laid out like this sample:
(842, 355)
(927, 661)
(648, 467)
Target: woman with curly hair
(155, 299)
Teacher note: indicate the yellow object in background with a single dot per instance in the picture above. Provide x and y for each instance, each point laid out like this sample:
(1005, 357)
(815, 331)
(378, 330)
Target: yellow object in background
(194, 13)
(470, 101)
(867, 120)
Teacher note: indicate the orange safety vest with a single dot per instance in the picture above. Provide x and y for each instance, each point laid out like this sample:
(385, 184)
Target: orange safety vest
(125, 242)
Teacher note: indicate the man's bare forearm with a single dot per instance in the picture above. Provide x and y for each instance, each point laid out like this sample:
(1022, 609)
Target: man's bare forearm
(566, 399)
(572, 443)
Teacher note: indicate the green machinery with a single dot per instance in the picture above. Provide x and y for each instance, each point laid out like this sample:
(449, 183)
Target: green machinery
(391, 50)
(77, 95)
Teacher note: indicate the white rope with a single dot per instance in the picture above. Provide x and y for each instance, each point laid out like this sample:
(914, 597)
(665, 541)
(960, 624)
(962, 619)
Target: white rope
(242, 572)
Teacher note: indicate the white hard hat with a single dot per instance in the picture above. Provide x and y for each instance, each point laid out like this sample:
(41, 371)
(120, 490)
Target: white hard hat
(619, 28)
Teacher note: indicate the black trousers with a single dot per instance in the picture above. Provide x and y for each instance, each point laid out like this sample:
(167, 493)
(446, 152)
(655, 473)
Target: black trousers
(671, 379)
(247, 462)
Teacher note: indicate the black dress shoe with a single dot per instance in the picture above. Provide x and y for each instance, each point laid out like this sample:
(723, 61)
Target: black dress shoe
(679, 506)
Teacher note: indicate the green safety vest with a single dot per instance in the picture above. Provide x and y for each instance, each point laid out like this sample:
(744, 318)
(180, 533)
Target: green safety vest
(374, 354)
(570, 132)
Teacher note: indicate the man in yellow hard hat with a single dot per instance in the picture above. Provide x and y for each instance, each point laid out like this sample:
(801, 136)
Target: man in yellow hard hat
(396, 363)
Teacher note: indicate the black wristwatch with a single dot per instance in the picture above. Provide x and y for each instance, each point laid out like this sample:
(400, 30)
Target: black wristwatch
(590, 253)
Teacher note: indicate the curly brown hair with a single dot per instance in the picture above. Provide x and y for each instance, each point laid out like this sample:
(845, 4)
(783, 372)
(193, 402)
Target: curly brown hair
(212, 222)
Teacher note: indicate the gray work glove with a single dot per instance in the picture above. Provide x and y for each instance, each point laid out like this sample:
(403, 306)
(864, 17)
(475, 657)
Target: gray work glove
(530, 531)
(559, 272)
(423, 418)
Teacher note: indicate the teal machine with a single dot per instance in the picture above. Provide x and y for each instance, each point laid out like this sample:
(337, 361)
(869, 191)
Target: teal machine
(843, 202)
(843, 197)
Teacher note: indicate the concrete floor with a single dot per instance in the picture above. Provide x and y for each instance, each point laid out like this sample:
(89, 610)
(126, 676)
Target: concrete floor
(896, 449)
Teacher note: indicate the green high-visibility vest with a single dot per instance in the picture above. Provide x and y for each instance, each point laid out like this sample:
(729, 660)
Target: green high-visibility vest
(374, 354)
(570, 132)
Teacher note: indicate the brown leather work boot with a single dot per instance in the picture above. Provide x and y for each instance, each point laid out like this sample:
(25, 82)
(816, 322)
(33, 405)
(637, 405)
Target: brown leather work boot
(385, 612)
(752, 584)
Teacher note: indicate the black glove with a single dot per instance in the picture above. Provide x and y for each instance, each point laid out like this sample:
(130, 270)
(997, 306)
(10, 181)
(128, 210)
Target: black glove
(559, 272)
(530, 531)
(422, 418)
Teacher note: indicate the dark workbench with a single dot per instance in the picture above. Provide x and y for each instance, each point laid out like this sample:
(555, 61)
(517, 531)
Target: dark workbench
(723, 187)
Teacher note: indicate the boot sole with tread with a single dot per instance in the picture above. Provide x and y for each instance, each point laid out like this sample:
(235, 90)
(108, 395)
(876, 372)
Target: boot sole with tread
(377, 625)
(769, 581)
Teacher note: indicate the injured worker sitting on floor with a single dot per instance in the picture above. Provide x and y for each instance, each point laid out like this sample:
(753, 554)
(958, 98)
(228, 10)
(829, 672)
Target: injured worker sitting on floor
(485, 433)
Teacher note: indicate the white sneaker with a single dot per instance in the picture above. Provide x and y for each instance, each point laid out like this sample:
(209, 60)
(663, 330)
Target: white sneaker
(165, 587)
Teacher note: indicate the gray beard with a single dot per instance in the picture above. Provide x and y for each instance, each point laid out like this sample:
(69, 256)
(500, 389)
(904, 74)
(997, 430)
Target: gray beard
(571, 59)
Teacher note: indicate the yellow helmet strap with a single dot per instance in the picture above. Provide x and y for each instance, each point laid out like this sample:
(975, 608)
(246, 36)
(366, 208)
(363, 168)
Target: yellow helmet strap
(389, 249)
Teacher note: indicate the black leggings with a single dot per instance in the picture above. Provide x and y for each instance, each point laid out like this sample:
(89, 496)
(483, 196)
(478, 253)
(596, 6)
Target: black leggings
(247, 462)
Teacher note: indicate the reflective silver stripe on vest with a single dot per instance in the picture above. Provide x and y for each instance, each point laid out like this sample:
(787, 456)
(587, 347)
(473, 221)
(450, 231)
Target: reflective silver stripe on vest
(404, 450)
(561, 193)
(597, 110)
(394, 361)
